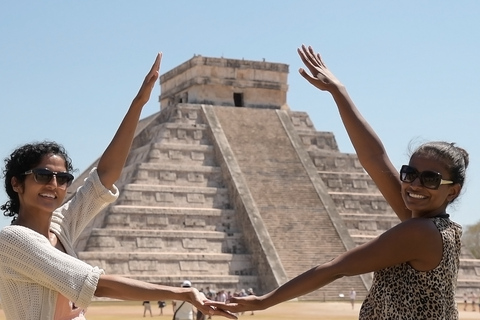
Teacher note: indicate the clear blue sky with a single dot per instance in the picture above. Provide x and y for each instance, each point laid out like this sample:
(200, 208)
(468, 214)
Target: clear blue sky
(69, 69)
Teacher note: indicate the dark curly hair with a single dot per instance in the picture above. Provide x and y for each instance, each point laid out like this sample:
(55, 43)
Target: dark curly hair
(23, 159)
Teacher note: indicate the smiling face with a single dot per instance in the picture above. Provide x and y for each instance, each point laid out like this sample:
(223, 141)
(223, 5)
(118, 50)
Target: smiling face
(37, 199)
(425, 202)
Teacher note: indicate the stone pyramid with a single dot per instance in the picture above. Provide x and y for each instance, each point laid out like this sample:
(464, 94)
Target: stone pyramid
(227, 187)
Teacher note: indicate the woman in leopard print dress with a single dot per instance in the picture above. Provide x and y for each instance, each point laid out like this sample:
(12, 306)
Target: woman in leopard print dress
(415, 263)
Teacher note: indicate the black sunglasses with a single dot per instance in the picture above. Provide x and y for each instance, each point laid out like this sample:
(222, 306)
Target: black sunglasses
(44, 176)
(428, 179)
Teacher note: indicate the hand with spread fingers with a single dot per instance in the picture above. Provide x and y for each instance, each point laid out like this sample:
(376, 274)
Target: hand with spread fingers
(320, 76)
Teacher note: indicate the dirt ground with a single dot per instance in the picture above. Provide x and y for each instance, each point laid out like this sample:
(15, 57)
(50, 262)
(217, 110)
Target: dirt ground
(287, 310)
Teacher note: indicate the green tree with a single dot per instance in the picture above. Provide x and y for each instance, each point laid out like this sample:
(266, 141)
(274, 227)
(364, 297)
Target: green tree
(471, 239)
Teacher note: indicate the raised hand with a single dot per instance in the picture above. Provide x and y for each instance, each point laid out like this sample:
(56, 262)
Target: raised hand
(113, 159)
(143, 94)
(320, 76)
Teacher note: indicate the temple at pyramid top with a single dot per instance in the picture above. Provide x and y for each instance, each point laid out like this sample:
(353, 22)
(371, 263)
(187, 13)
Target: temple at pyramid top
(226, 82)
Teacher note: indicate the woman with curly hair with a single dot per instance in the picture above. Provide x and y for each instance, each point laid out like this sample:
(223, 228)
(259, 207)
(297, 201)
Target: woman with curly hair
(40, 275)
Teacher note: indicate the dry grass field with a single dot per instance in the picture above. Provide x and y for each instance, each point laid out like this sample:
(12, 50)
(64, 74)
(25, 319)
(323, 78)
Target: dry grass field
(288, 310)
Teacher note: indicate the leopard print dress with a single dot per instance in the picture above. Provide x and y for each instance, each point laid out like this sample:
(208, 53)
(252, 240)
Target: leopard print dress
(401, 292)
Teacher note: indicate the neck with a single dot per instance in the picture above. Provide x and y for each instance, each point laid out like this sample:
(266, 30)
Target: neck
(442, 215)
(41, 226)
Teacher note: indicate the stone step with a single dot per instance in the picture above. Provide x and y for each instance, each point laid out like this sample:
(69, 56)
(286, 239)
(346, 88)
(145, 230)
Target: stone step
(170, 156)
(370, 216)
(184, 133)
(320, 139)
(171, 210)
(468, 283)
(178, 167)
(167, 256)
(178, 174)
(174, 196)
(466, 254)
(186, 113)
(172, 218)
(182, 146)
(163, 233)
(357, 182)
(184, 264)
(470, 270)
(362, 238)
(369, 221)
(301, 121)
(181, 153)
(326, 160)
(181, 241)
(361, 203)
(137, 155)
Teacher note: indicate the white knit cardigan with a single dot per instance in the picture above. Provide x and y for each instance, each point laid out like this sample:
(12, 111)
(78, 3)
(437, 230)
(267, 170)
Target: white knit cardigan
(33, 272)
